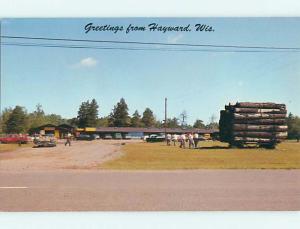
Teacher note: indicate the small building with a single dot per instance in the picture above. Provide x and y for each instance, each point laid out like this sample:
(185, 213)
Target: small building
(58, 131)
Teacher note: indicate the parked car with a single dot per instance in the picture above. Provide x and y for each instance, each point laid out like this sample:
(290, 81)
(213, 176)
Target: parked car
(155, 138)
(45, 141)
(96, 136)
(14, 138)
(107, 136)
(117, 136)
(85, 137)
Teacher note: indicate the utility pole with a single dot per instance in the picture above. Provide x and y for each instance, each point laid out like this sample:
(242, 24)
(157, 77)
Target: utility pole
(165, 118)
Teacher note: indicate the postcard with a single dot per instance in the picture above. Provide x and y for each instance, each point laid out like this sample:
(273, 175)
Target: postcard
(150, 114)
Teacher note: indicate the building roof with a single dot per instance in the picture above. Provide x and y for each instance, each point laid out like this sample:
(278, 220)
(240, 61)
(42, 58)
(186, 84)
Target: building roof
(154, 130)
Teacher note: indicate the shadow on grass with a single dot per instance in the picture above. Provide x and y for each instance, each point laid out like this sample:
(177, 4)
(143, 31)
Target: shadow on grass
(213, 147)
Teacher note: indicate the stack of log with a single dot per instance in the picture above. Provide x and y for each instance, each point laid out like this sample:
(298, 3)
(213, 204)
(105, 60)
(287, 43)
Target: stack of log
(261, 123)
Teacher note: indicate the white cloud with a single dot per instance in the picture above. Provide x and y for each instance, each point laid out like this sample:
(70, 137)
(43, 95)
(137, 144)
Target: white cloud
(175, 39)
(87, 62)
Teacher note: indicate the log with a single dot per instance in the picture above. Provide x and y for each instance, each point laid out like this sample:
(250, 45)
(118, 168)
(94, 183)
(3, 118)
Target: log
(261, 105)
(276, 128)
(257, 110)
(261, 121)
(279, 135)
(257, 116)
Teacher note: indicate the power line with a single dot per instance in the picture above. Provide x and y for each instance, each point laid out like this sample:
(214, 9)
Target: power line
(44, 45)
(150, 43)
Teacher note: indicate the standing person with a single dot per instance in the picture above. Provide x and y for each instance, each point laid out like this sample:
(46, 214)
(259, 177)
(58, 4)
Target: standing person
(191, 140)
(68, 139)
(182, 141)
(20, 140)
(168, 139)
(196, 139)
(174, 139)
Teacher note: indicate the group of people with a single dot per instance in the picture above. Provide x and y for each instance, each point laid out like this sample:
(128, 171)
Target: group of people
(191, 138)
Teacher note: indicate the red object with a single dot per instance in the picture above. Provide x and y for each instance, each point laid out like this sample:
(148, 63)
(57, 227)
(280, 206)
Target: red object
(14, 138)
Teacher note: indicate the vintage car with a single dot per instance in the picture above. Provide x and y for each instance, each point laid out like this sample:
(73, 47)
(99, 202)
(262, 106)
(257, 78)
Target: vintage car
(45, 141)
(14, 138)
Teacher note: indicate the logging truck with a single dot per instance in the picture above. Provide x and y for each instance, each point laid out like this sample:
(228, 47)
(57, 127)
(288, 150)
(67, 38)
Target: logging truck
(244, 123)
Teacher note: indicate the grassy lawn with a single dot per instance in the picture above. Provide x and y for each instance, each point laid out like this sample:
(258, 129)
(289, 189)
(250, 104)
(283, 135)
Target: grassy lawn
(212, 155)
(12, 147)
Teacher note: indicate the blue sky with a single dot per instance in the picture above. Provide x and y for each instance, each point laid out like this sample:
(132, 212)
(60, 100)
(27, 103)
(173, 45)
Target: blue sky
(199, 82)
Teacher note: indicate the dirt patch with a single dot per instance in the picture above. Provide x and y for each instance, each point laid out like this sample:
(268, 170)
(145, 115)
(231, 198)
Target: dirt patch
(81, 155)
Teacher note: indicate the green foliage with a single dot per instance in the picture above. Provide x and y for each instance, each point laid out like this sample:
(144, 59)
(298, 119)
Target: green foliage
(212, 125)
(3, 119)
(17, 121)
(148, 118)
(103, 122)
(136, 120)
(119, 116)
(38, 118)
(199, 124)
(72, 121)
(88, 114)
(293, 123)
(173, 122)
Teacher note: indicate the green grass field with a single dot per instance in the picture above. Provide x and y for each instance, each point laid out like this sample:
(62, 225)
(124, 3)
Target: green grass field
(211, 155)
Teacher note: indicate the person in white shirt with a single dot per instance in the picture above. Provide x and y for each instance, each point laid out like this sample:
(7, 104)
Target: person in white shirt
(196, 139)
(182, 141)
(174, 139)
(168, 139)
(191, 141)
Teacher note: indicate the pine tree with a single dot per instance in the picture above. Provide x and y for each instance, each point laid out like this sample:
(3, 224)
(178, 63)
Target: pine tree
(136, 120)
(3, 119)
(88, 114)
(199, 124)
(148, 118)
(92, 114)
(17, 121)
(119, 116)
(82, 114)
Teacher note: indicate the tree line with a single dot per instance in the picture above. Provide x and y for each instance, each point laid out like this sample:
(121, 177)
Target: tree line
(18, 120)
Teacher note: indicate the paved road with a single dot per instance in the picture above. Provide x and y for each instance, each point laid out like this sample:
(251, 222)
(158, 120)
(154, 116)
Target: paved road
(96, 190)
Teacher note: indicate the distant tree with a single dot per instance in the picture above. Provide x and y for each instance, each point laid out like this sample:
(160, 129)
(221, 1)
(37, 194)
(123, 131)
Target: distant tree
(148, 118)
(183, 118)
(212, 125)
(82, 114)
(17, 121)
(103, 122)
(199, 124)
(37, 117)
(88, 114)
(173, 123)
(72, 121)
(136, 120)
(159, 124)
(54, 119)
(92, 114)
(3, 119)
(212, 118)
(119, 116)
(293, 123)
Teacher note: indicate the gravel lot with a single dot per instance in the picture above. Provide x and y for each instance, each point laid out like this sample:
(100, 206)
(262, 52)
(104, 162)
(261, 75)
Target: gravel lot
(81, 155)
